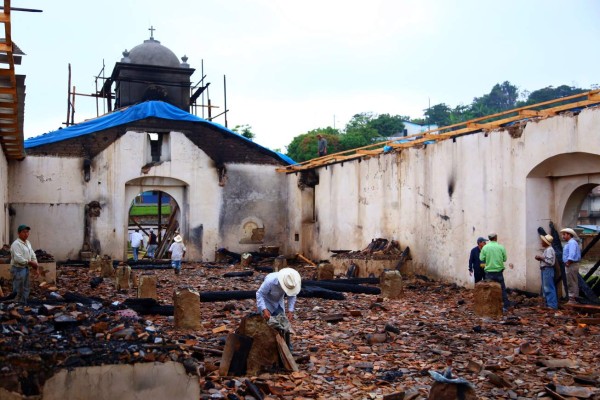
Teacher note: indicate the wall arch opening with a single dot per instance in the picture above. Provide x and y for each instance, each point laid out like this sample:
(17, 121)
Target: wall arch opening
(153, 213)
(555, 191)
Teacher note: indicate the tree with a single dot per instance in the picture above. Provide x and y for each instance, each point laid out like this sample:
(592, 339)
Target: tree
(245, 131)
(502, 97)
(551, 93)
(438, 114)
(304, 147)
(387, 125)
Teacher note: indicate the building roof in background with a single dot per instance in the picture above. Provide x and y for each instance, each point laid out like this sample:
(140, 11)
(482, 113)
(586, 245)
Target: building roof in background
(137, 113)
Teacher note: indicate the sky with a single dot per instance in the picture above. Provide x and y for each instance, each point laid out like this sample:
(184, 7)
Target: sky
(294, 66)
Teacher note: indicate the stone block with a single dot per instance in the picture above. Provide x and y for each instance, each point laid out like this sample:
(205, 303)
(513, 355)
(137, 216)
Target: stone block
(147, 286)
(391, 285)
(264, 354)
(107, 270)
(123, 277)
(325, 271)
(279, 263)
(47, 273)
(95, 264)
(186, 302)
(487, 299)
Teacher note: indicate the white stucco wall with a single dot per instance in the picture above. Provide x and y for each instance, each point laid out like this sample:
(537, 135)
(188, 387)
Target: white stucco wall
(50, 194)
(440, 198)
(4, 233)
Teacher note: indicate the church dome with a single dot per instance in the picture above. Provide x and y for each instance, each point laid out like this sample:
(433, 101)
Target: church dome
(151, 52)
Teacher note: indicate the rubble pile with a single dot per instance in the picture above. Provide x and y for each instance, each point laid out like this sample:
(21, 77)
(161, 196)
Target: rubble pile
(378, 249)
(362, 347)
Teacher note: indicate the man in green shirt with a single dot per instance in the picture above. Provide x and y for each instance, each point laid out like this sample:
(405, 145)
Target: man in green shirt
(493, 255)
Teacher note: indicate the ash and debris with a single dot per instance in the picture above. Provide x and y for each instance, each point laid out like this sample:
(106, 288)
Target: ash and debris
(77, 324)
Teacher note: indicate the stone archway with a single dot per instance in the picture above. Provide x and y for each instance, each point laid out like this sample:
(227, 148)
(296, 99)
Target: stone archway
(175, 189)
(153, 210)
(555, 190)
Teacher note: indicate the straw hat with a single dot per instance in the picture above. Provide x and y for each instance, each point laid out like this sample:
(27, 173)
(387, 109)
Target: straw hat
(547, 239)
(289, 280)
(569, 231)
(178, 238)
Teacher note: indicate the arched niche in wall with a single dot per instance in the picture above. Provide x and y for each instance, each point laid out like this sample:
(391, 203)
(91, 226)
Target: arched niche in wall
(252, 231)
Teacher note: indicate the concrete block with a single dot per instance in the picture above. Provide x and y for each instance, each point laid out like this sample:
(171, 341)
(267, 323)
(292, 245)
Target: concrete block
(147, 286)
(123, 277)
(279, 263)
(325, 271)
(487, 298)
(186, 302)
(391, 285)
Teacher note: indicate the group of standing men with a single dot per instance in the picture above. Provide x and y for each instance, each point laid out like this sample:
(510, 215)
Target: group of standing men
(486, 261)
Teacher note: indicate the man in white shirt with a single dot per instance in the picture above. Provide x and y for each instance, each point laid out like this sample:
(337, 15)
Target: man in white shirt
(22, 257)
(136, 242)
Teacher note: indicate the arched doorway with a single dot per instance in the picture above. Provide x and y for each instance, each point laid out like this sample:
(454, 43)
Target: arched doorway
(175, 189)
(556, 190)
(153, 211)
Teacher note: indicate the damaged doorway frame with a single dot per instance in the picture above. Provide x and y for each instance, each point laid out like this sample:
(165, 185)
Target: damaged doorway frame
(555, 190)
(177, 189)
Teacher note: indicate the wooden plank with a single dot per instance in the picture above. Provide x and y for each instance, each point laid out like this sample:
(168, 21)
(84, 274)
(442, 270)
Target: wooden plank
(6, 47)
(585, 308)
(286, 356)
(588, 321)
(235, 353)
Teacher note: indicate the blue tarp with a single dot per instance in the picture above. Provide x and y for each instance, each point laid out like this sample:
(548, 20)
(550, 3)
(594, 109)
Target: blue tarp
(148, 109)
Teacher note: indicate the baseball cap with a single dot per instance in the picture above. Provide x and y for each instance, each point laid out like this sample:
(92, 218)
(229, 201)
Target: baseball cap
(23, 227)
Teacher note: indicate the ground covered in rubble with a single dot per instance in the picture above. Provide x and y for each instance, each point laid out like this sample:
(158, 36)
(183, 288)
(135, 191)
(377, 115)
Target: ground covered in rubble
(430, 328)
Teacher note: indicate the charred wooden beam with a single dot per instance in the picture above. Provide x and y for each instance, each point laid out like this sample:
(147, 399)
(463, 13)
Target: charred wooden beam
(343, 287)
(238, 274)
(354, 281)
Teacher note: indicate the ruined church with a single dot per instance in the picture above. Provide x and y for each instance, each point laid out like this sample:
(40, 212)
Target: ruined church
(436, 194)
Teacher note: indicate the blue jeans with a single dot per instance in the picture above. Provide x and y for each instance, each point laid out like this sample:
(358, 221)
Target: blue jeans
(176, 264)
(135, 253)
(548, 288)
(20, 277)
(151, 250)
(499, 277)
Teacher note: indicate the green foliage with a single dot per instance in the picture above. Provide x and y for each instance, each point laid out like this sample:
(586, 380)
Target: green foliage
(365, 128)
(502, 97)
(151, 209)
(244, 130)
(304, 147)
(551, 93)
(438, 114)
(388, 125)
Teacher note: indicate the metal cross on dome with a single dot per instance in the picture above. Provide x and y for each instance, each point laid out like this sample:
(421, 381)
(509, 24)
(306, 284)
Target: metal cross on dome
(151, 29)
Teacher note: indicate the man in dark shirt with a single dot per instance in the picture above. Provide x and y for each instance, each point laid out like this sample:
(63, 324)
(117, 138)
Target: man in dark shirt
(475, 263)
(322, 144)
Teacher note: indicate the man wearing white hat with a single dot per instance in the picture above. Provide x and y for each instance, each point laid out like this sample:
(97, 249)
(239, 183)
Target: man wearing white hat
(547, 261)
(177, 250)
(571, 257)
(269, 297)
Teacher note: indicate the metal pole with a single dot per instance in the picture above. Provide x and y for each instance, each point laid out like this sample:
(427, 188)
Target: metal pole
(68, 95)
(225, 95)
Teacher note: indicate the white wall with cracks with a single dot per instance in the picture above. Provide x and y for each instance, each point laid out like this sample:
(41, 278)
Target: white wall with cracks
(437, 199)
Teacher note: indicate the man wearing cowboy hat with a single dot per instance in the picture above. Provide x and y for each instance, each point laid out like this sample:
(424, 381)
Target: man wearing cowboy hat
(547, 261)
(269, 297)
(571, 257)
(177, 250)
